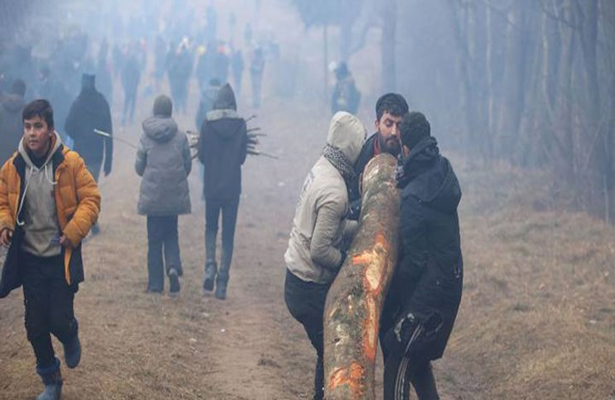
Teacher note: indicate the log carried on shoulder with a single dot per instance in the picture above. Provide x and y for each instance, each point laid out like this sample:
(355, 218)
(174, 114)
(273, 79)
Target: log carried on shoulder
(356, 297)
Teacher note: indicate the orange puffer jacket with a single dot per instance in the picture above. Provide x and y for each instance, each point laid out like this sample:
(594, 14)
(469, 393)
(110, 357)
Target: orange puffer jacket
(77, 204)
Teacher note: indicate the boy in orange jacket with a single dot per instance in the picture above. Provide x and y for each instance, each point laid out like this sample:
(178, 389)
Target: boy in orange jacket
(44, 234)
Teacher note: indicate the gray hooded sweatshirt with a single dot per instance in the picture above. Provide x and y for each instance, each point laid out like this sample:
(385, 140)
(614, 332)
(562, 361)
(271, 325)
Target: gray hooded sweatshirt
(319, 227)
(40, 217)
(164, 162)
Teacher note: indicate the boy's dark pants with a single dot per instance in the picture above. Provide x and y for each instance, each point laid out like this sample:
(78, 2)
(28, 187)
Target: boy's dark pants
(306, 303)
(49, 305)
(163, 238)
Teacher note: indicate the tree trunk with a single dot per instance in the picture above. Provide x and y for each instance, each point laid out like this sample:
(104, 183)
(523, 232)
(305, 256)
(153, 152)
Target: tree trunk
(355, 300)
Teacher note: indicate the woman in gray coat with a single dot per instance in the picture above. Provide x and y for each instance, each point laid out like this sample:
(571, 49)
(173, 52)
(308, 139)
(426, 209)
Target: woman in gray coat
(164, 162)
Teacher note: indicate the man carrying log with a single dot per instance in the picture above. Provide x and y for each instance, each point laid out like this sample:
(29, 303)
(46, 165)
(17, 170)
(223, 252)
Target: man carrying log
(315, 248)
(390, 108)
(425, 291)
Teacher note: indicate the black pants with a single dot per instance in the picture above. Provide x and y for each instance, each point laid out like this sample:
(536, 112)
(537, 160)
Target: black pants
(228, 209)
(306, 303)
(163, 250)
(49, 305)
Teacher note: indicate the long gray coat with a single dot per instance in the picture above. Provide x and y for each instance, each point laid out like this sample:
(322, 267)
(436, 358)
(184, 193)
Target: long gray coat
(164, 162)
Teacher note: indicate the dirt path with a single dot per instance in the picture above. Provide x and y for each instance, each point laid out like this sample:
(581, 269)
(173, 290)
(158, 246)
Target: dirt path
(144, 346)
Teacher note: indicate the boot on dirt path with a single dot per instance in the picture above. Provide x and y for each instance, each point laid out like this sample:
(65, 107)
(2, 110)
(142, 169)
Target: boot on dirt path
(210, 275)
(174, 282)
(72, 351)
(52, 379)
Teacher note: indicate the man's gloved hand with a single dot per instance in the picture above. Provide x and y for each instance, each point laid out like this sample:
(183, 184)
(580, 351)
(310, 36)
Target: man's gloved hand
(411, 332)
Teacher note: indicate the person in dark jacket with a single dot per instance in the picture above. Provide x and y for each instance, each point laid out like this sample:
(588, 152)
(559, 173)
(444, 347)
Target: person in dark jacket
(425, 291)
(54, 90)
(222, 149)
(44, 235)
(390, 108)
(257, 69)
(90, 111)
(103, 73)
(164, 162)
(346, 96)
(237, 65)
(131, 75)
(11, 124)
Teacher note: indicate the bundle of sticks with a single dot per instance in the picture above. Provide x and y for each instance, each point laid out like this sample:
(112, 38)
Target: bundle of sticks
(253, 141)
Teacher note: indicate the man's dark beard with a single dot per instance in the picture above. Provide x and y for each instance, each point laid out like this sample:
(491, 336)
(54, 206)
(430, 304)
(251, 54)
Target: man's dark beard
(390, 145)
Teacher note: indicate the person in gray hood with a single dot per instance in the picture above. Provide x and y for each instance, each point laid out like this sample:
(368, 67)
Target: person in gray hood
(222, 148)
(11, 125)
(320, 232)
(164, 162)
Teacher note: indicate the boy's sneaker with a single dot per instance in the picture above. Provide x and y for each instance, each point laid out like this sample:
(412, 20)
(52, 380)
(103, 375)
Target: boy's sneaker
(174, 280)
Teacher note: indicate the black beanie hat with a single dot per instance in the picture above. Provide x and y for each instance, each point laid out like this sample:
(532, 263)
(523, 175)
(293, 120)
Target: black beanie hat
(163, 107)
(414, 128)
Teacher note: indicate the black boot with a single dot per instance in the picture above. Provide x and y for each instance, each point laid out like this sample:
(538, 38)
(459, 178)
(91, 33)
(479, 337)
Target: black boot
(210, 275)
(72, 349)
(174, 282)
(52, 379)
(211, 268)
(220, 288)
(223, 275)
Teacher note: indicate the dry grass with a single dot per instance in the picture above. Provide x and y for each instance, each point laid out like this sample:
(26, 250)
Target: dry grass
(538, 313)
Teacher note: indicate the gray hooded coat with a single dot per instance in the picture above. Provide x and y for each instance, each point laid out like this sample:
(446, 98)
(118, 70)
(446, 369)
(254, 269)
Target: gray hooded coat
(319, 226)
(164, 162)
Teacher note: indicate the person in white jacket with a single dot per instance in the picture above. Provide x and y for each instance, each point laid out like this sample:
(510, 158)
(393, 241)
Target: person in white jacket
(316, 249)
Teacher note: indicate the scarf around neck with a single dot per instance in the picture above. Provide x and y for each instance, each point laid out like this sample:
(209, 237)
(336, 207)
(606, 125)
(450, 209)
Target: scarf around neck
(341, 163)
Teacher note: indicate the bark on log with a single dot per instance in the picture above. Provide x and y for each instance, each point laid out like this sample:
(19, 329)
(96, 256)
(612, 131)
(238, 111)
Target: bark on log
(356, 297)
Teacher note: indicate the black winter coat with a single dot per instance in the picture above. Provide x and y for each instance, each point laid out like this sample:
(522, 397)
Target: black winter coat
(223, 146)
(91, 111)
(428, 279)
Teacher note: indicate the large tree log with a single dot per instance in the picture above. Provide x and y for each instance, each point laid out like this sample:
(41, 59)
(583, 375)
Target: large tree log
(356, 297)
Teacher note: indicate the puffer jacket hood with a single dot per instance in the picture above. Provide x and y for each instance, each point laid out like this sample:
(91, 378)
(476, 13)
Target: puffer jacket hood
(429, 177)
(55, 144)
(225, 99)
(347, 133)
(13, 103)
(160, 129)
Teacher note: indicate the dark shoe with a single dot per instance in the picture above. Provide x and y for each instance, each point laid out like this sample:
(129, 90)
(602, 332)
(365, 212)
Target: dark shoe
(72, 352)
(52, 379)
(220, 290)
(210, 275)
(220, 293)
(174, 280)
